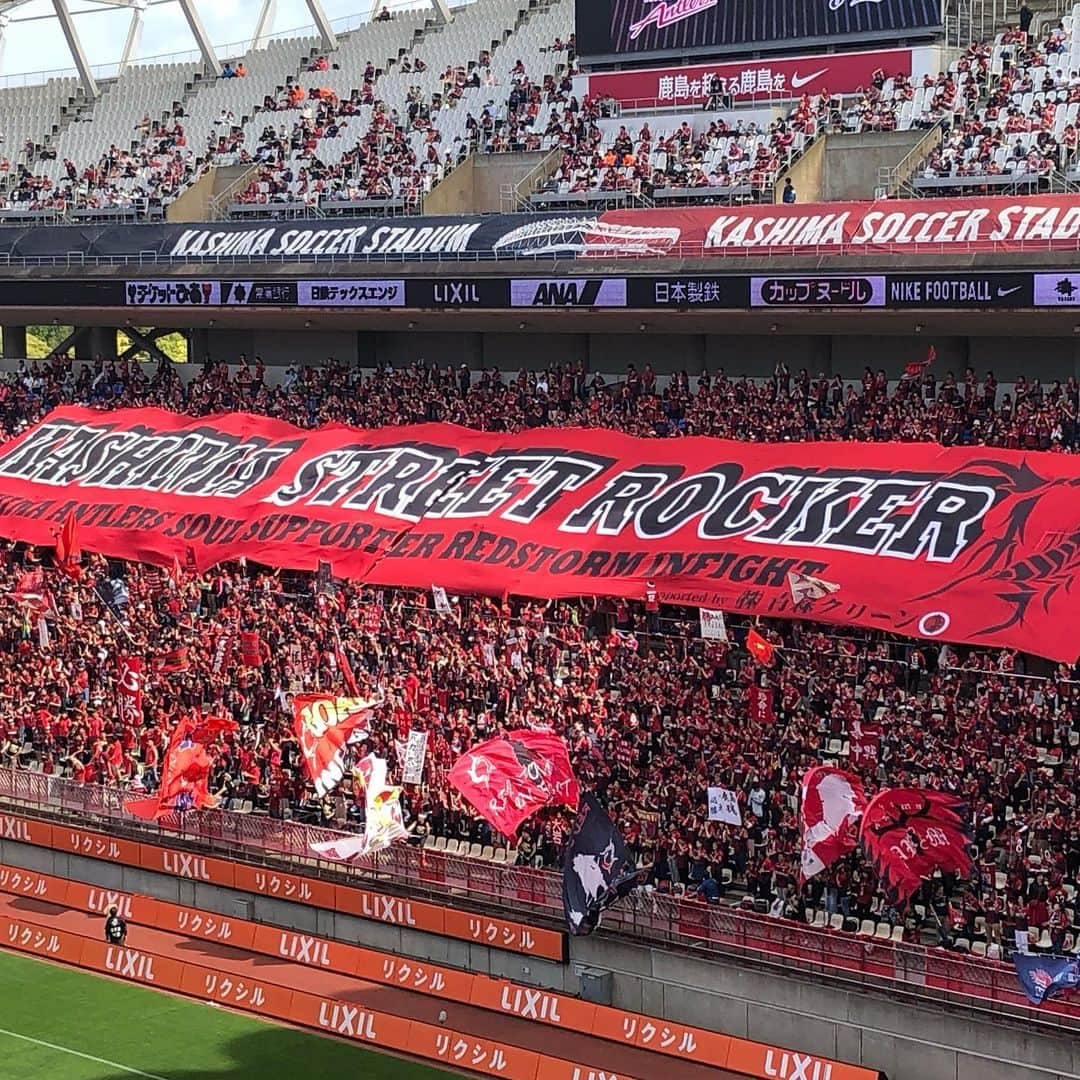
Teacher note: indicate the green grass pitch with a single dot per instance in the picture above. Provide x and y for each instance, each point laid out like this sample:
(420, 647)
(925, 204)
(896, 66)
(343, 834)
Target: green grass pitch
(61, 1024)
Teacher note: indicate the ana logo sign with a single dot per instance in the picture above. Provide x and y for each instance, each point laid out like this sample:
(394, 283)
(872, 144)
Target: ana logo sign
(662, 14)
(569, 292)
(836, 5)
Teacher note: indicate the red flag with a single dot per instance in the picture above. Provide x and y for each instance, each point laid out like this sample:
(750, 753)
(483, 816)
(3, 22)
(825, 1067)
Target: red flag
(760, 649)
(762, 702)
(206, 730)
(832, 803)
(325, 725)
(915, 369)
(67, 547)
(172, 661)
(908, 834)
(371, 618)
(129, 690)
(31, 590)
(865, 745)
(347, 676)
(154, 577)
(508, 779)
(185, 777)
(222, 655)
(250, 649)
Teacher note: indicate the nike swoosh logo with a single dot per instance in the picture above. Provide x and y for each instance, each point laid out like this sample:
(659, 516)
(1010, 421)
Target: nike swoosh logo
(797, 81)
(1009, 292)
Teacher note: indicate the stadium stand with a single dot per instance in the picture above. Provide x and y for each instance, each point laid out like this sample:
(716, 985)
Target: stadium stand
(380, 121)
(627, 687)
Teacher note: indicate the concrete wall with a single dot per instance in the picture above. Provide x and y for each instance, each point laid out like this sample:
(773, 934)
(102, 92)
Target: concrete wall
(906, 1042)
(476, 185)
(807, 175)
(194, 204)
(852, 161)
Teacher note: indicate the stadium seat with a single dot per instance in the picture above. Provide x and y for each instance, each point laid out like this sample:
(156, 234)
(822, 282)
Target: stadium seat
(867, 928)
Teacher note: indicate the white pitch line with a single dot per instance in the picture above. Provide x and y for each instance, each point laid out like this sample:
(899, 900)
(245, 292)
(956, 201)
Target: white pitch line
(79, 1054)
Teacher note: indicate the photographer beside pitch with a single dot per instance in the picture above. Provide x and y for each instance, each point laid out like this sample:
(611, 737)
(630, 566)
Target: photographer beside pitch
(115, 928)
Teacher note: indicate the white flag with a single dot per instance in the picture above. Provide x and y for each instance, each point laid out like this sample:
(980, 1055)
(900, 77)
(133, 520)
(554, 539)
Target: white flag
(724, 806)
(384, 823)
(442, 601)
(806, 589)
(415, 756)
(712, 625)
(43, 632)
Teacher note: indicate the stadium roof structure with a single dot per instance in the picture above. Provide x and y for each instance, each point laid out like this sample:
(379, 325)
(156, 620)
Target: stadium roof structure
(70, 17)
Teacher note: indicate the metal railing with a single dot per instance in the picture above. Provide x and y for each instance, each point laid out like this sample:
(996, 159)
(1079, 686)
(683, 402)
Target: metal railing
(909, 972)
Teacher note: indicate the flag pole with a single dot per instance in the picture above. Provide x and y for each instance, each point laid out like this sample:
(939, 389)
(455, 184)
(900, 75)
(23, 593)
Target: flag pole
(119, 621)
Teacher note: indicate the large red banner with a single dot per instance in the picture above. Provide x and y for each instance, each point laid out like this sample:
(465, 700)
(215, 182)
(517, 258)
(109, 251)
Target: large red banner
(862, 228)
(747, 80)
(971, 545)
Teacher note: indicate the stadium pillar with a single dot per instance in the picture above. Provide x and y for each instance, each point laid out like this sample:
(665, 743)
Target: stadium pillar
(261, 37)
(14, 342)
(194, 20)
(96, 341)
(329, 38)
(67, 24)
(134, 34)
(442, 12)
(198, 344)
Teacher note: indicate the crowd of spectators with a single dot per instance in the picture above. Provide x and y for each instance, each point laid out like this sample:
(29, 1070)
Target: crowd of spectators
(1007, 108)
(652, 714)
(669, 154)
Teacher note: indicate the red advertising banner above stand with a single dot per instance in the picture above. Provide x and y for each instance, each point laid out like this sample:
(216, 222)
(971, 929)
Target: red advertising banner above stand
(885, 226)
(745, 81)
(975, 545)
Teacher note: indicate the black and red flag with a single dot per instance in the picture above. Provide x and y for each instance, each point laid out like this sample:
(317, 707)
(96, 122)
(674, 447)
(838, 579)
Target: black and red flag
(908, 833)
(915, 369)
(509, 778)
(598, 868)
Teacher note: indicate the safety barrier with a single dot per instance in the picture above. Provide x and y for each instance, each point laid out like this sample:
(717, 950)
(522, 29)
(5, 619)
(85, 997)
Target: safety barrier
(264, 881)
(911, 969)
(449, 984)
